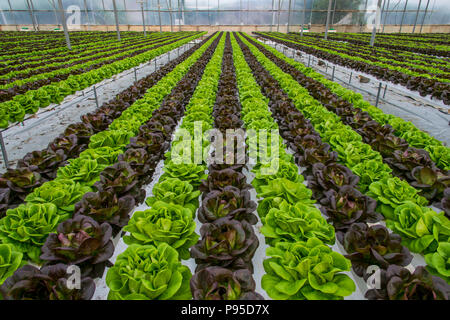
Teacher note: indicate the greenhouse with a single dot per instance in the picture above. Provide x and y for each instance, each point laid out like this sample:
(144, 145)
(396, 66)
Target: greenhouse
(224, 150)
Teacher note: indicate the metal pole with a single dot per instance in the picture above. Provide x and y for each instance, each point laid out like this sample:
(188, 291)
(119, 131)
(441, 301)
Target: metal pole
(365, 10)
(135, 75)
(273, 15)
(378, 95)
(35, 18)
(385, 15)
(328, 19)
(334, 10)
(95, 91)
(32, 16)
(278, 22)
(52, 3)
(350, 79)
(64, 23)
(143, 18)
(87, 15)
(417, 15)
(310, 13)
(423, 19)
(289, 16)
(303, 17)
(384, 93)
(4, 153)
(332, 75)
(179, 16)
(159, 14)
(374, 29)
(169, 6)
(382, 11)
(116, 17)
(403, 15)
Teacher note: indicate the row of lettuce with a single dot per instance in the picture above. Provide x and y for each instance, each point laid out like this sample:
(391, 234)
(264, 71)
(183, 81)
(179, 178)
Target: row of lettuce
(159, 237)
(121, 161)
(43, 90)
(422, 229)
(410, 164)
(38, 167)
(425, 84)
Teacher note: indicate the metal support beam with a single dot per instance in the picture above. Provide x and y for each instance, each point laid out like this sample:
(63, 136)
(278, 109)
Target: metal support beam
(169, 6)
(143, 17)
(179, 15)
(362, 20)
(377, 19)
(4, 152)
(279, 10)
(303, 18)
(328, 19)
(424, 14)
(116, 17)
(64, 23)
(385, 14)
(273, 15)
(417, 15)
(311, 12)
(159, 14)
(87, 15)
(334, 10)
(403, 16)
(35, 18)
(31, 15)
(289, 16)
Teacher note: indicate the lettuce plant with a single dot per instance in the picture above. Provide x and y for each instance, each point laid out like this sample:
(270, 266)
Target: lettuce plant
(297, 222)
(10, 261)
(46, 162)
(332, 176)
(110, 138)
(227, 243)
(218, 180)
(27, 226)
(370, 171)
(163, 222)
(439, 261)
(176, 191)
(431, 182)
(63, 193)
(81, 241)
(399, 283)
(347, 206)
(391, 193)
(282, 189)
(374, 245)
(20, 182)
(287, 170)
(217, 283)
(83, 170)
(189, 172)
(106, 207)
(231, 202)
(421, 228)
(306, 271)
(121, 179)
(103, 155)
(147, 272)
(48, 283)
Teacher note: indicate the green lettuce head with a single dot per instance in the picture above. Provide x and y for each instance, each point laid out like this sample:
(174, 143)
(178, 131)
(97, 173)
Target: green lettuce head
(63, 193)
(10, 261)
(421, 228)
(306, 271)
(147, 272)
(164, 222)
(27, 227)
(297, 222)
